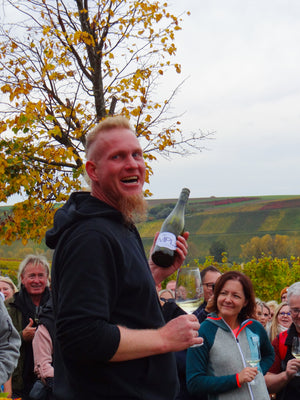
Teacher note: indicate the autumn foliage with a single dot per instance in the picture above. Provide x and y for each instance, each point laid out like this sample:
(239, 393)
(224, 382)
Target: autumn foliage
(268, 275)
(63, 67)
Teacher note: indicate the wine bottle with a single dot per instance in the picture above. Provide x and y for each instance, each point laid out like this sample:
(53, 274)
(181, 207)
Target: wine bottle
(165, 246)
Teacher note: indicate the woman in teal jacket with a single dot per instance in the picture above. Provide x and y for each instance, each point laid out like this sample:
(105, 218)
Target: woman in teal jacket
(219, 367)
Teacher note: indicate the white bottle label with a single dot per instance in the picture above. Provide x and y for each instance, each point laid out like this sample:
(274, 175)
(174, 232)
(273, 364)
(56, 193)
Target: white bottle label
(167, 239)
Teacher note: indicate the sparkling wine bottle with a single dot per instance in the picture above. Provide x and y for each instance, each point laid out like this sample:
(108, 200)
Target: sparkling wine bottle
(165, 246)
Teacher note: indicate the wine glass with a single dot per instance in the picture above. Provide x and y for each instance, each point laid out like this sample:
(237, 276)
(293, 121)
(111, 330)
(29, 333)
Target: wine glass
(253, 357)
(188, 290)
(296, 350)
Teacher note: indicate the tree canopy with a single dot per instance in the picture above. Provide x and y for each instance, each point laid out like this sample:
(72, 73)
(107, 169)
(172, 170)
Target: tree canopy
(64, 66)
(278, 246)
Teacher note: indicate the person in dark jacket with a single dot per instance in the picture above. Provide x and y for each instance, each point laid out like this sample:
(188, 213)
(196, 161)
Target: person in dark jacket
(111, 340)
(23, 309)
(209, 276)
(281, 378)
(42, 346)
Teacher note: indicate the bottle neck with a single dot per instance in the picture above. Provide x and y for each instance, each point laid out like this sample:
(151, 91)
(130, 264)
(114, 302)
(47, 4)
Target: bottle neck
(183, 198)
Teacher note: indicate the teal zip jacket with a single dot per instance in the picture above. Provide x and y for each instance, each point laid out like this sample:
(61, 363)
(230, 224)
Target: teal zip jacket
(213, 368)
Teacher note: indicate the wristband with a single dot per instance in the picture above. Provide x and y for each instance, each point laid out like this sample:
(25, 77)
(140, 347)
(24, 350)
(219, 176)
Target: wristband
(238, 381)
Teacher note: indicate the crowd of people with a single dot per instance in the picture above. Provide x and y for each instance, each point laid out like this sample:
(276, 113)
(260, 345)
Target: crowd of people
(106, 329)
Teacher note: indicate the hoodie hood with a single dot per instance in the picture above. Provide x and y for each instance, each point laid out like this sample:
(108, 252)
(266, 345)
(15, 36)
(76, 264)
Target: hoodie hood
(219, 321)
(80, 206)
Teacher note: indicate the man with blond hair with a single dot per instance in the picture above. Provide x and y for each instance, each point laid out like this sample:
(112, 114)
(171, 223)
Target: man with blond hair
(24, 308)
(111, 337)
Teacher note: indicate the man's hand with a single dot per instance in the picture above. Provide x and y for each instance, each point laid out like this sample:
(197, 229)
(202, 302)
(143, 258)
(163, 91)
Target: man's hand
(29, 331)
(178, 334)
(159, 273)
(181, 333)
(292, 367)
(276, 382)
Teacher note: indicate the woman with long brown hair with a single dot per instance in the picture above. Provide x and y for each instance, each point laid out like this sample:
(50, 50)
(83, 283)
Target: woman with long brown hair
(219, 368)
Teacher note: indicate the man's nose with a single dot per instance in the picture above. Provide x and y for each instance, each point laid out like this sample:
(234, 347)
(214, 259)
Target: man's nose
(131, 162)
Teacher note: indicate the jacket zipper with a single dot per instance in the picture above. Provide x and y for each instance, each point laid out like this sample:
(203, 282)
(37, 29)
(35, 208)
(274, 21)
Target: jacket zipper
(245, 365)
(242, 355)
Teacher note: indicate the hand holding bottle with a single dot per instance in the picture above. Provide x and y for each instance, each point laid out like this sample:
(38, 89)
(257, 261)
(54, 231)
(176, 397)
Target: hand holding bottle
(158, 273)
(164, 251)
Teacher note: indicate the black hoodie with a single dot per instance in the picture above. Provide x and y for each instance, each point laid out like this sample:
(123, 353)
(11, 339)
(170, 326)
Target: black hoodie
(101, 278)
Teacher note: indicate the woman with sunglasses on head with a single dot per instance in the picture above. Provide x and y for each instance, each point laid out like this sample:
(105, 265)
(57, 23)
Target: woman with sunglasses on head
(230, 332)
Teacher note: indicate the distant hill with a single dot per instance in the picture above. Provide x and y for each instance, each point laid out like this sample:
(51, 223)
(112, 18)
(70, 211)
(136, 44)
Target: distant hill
(232, 220)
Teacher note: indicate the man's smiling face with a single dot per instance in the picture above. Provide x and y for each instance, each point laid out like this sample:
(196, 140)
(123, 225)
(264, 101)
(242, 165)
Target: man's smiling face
(117, 166)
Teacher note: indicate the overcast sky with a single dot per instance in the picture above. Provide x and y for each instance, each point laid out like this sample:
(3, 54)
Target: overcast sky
(243, 62)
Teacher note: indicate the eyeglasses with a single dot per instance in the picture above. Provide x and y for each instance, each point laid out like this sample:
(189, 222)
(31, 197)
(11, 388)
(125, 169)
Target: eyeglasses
(209, 285)
(285, 314)
(295, 311)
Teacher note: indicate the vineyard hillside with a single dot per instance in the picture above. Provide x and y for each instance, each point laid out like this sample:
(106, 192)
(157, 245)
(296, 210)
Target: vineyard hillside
(230, 220)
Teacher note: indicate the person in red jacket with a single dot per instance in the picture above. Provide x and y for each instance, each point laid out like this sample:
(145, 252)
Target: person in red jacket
(281, 378)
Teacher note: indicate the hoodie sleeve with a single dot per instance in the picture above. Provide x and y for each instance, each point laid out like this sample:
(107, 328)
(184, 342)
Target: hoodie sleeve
(85, 280)
(10, 343)
(199, 380)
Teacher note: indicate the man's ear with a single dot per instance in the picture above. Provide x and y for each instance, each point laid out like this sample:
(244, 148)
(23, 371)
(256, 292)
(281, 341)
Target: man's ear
(90, 168)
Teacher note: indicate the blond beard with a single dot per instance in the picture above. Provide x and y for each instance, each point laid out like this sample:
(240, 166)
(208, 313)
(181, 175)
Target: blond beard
(133, 208)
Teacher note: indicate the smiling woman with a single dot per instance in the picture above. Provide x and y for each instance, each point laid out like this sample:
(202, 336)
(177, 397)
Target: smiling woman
(281, 320)
(230, 332)
(7, 287)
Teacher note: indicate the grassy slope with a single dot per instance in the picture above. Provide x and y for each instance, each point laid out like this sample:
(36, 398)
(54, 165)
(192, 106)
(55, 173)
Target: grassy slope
(231, 220)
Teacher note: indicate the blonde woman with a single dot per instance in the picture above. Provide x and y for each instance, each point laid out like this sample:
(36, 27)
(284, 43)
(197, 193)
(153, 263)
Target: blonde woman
(281, 321)
(7, 287)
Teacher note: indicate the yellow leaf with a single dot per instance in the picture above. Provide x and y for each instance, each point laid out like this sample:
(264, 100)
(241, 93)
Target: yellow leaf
(136, 111)
(6, 88)
(178, 68)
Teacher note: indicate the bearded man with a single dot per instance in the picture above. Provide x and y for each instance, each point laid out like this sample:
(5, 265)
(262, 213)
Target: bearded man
(111, 338)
